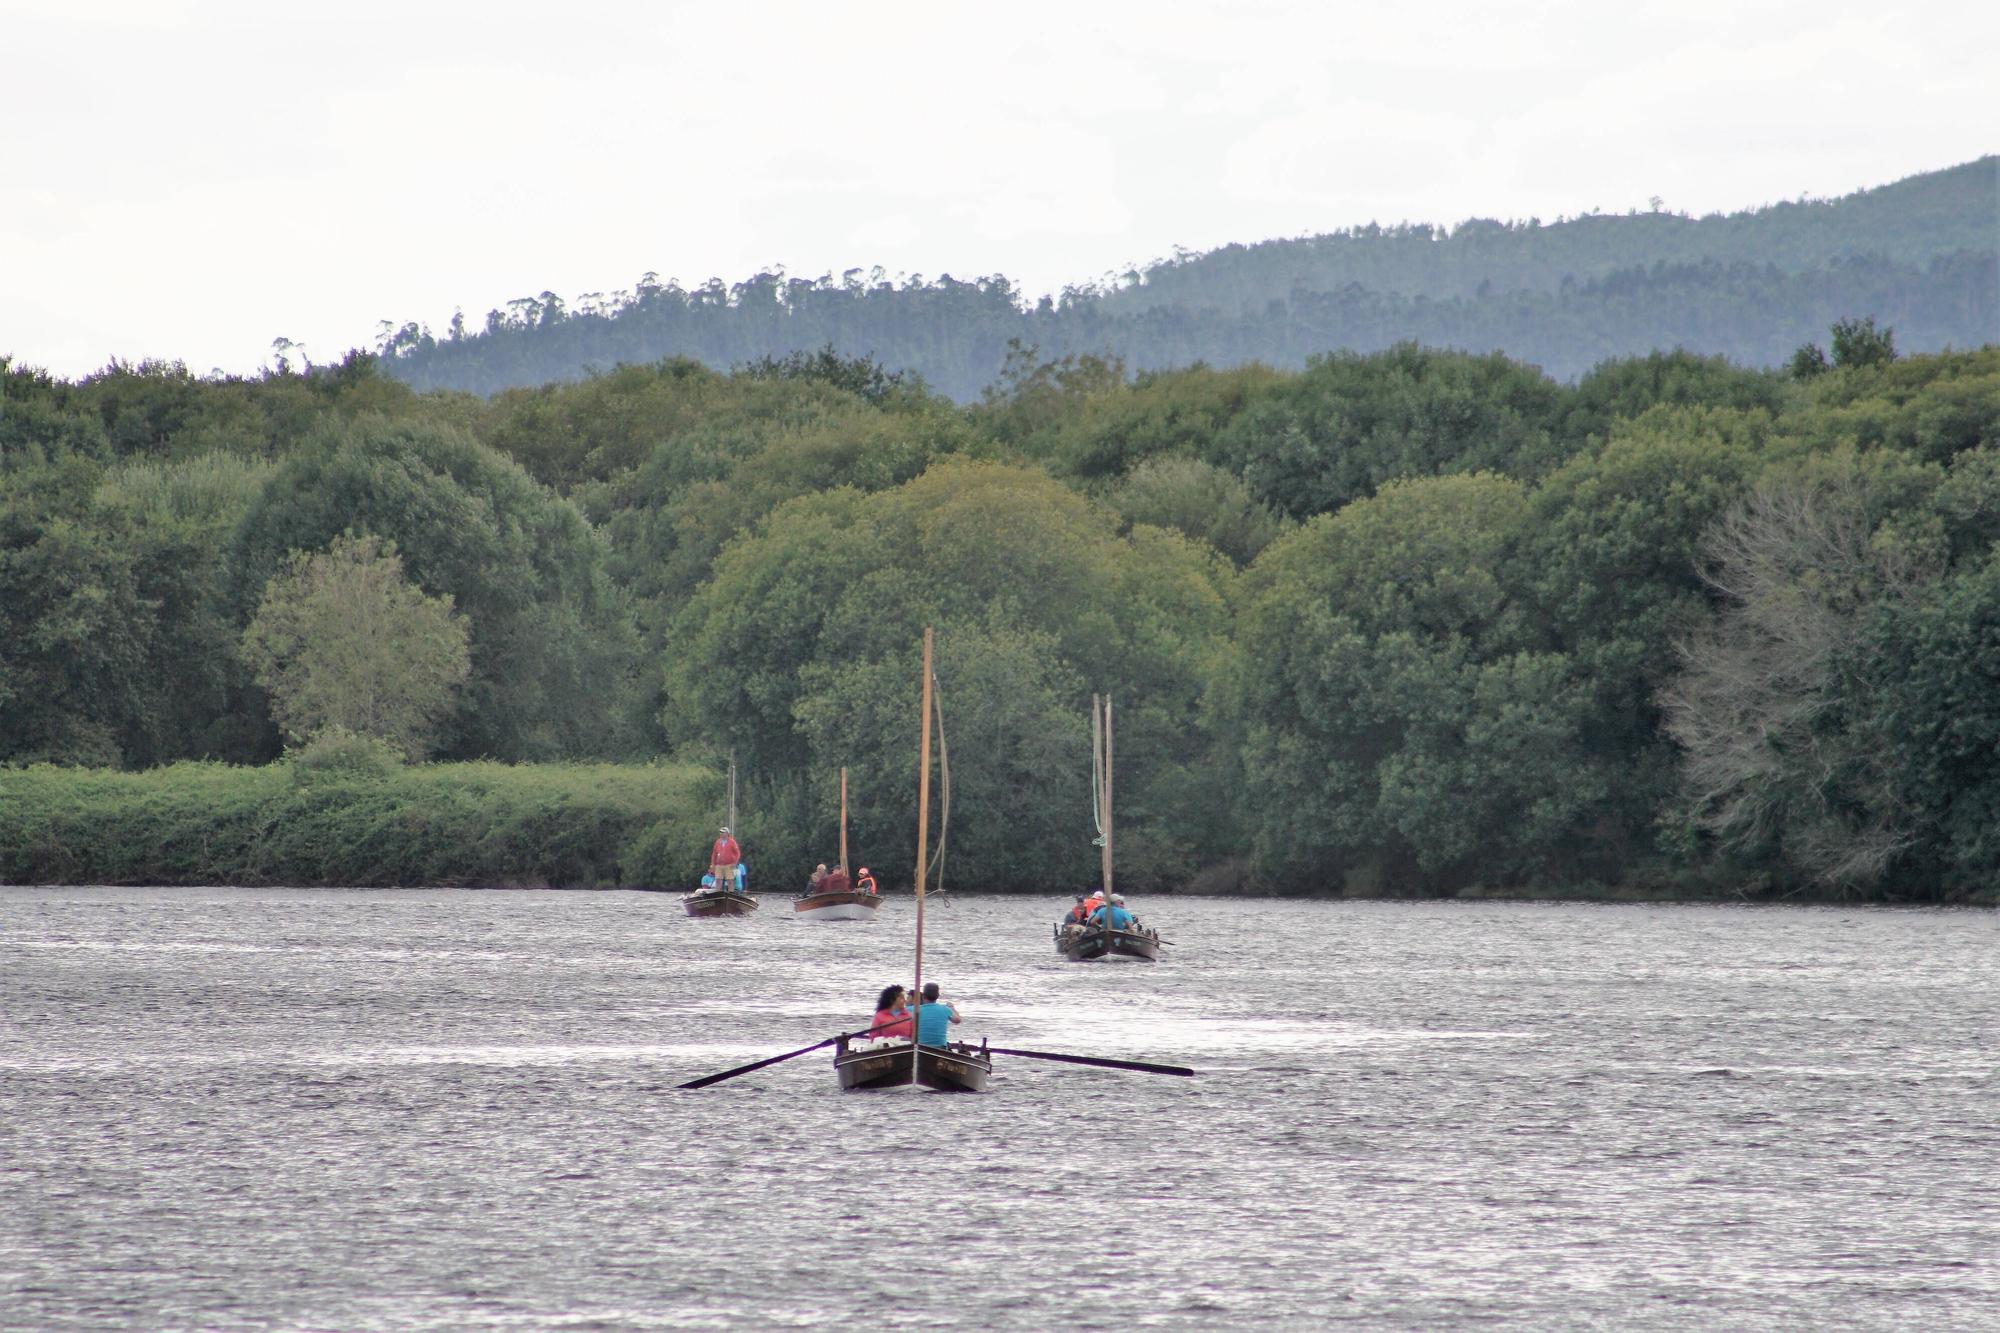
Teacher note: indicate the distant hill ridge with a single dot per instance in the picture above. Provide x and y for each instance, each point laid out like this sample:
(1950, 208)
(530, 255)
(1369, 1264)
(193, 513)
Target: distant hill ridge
(1922, 255)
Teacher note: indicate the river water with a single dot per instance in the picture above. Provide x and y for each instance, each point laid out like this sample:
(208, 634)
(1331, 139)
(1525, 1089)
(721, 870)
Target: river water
(272, 1109)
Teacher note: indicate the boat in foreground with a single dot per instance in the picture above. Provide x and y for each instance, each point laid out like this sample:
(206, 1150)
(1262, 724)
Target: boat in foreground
(846, 906)
(721, 902)
(959, 1067)
(873, 1063)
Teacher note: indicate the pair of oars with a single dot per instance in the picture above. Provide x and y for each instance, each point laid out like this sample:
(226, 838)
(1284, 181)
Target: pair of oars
(1136, 1066)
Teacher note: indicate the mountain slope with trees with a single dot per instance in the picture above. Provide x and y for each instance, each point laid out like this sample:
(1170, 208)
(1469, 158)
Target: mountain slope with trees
(1921, 255)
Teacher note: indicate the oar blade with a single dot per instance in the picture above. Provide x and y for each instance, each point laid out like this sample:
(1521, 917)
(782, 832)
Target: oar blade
(1136, 1066)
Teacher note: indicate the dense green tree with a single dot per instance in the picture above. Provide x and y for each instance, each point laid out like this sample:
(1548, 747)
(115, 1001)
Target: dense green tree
(828, 597)
(553, 650)
(343, 644)
(1402, 728)
(1351, 423)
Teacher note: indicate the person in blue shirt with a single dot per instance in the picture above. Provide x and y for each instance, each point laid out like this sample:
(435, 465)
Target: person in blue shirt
(934, 1018)
(1115, 914)
(708, 883)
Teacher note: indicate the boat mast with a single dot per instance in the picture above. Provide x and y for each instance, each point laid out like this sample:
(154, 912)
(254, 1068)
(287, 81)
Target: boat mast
(923, 814)
(843, 823)
(732, 795)
(1104, 803)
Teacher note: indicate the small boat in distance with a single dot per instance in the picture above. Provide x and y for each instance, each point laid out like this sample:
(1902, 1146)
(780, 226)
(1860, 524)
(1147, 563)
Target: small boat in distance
(1082, 942)
(956, 1066)
(723, 891)
(840, 902)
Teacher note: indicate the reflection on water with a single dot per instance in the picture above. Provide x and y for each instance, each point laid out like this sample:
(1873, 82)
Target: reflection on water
(363, 1110)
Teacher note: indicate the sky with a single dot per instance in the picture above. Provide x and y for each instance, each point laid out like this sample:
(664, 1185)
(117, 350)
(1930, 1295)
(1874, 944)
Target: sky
(190, 181)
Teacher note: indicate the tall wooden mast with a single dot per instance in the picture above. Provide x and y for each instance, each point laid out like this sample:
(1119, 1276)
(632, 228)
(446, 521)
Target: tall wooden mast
(1104, 803)
(843, 823)
(923, 812)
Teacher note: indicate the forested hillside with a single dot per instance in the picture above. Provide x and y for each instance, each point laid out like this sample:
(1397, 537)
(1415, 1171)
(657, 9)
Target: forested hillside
(1410, 621)
(1921, 255)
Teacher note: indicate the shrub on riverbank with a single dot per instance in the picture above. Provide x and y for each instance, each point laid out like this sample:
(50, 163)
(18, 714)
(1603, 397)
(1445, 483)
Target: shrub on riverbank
(312, 821)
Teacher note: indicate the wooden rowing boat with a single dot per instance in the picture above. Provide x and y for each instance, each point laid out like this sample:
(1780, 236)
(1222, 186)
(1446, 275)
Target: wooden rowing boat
(849, 906)
(959, 1067)
(955, 1066)
(721, 902)
(1082, 942)
(843, 904)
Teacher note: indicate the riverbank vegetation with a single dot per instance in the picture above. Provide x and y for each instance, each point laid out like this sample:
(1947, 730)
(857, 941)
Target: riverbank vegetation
(348, 812)
(1411, 621)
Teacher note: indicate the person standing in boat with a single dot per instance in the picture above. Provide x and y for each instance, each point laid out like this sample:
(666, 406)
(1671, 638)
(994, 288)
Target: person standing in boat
(935, 1017)
(892, 1016)
(722, 858)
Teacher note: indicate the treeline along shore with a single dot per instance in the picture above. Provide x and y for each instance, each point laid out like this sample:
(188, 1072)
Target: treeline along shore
(1403, 622)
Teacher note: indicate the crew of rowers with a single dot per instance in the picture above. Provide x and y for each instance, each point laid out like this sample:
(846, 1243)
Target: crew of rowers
(835, 880)
(894, 1017)
(1094, 909)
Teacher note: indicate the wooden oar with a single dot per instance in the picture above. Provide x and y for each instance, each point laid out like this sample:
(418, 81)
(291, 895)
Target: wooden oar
(1137, 1066)
(709, 1079)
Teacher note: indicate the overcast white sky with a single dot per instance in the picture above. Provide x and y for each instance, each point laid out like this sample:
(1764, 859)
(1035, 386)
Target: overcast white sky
(190, 180)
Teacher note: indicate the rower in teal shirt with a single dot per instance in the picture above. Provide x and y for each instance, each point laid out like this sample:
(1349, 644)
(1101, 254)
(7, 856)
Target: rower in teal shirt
(1115, 912)
(934, 1018)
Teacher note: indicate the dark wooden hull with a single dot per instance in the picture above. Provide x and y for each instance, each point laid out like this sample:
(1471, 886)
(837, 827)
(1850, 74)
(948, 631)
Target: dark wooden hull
(730, 903)
(1080, 944)
(848, 906)
(954, 1068)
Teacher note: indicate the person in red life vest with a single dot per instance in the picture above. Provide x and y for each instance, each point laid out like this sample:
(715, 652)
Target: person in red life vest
(722, 859)
(866, 882)
(1093, 902)
(835, 882)
(893, 1020)
(1077, 913)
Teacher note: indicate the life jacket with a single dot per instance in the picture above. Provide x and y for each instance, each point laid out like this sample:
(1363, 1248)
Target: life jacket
(866, 884)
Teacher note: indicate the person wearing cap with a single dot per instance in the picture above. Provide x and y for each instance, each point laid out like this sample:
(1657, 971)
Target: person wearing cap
(722, 858)
(935, 1017)
(1113, 914)
(865, 882)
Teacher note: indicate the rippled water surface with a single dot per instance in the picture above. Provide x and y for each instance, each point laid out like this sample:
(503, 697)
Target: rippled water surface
(225, 1109)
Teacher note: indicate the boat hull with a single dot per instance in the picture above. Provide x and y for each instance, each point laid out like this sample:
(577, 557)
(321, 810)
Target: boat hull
(730, 903)
(954, 1068)
(1081, 944)
(837, 906)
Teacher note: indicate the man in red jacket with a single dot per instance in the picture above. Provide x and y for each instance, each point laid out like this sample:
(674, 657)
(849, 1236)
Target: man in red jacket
(722, 859)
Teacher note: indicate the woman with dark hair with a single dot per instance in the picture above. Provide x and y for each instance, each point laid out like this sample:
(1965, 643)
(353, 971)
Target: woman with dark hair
(892, 1016)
